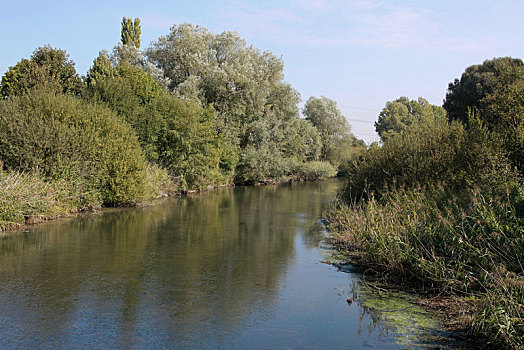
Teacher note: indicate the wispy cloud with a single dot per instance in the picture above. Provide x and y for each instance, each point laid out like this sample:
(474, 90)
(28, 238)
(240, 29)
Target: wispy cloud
(395, 26)
(325, 23)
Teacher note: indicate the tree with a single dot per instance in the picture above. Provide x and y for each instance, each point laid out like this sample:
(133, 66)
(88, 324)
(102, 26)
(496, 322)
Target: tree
(494, 93)
(256, 111)
(335, 131)
(477, 82)
(400, 114)
(179, 135)
(47, 67)
(239, 81)
(503, 112)
(130, 34)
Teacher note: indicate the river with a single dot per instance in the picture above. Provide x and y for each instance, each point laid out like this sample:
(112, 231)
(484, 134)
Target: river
(232, 268)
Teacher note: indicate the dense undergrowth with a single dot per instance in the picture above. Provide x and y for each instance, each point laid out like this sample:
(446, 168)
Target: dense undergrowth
(440, 209)
(425, 240)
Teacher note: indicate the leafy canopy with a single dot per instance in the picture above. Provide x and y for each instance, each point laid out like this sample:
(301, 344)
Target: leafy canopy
(477, 82)
(400, 114)
(47, 67)
(338, 142)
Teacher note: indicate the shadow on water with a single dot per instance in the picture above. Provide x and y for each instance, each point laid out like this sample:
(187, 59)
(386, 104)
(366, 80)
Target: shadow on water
(229, 268)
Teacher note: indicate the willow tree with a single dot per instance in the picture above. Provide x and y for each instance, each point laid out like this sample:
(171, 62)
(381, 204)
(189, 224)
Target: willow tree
(239, 81)
(246, 89)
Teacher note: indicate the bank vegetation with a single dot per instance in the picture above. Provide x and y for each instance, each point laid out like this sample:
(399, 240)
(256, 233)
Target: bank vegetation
(438, 206)
(194, 111)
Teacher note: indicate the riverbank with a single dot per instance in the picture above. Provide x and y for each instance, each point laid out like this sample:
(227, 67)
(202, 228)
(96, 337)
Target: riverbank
(462, 260)
(27, 199)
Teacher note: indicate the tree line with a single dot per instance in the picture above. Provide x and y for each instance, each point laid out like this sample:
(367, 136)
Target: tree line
(193, 111)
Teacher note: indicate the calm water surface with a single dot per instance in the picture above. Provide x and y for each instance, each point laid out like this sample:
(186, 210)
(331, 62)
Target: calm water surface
(233, 268)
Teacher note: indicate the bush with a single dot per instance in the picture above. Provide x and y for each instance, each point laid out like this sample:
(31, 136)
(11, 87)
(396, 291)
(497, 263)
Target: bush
(266, 165)
(188, 143)
(261, 165)
(431, 154)
(440, 208)
(66, 137)
(313, 170)
(47, 67)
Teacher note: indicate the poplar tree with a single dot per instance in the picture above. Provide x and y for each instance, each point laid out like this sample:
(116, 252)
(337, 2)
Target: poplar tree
(131, 31)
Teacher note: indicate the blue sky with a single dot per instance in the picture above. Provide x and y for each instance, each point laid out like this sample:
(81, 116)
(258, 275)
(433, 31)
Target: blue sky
(359, 53)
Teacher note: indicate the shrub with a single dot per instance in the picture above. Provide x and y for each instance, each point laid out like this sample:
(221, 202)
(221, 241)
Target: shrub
(312, 170)
(261, 165)
(188, 143)
(61, 134)
(47, 67)
(429, 154)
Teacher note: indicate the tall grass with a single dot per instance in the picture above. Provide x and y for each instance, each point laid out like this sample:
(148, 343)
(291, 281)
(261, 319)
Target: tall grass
(23, 195)
(470, 246)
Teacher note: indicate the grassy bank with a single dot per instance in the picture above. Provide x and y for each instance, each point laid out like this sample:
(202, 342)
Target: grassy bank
(31, 197)
(438, 209)
(465, 248)
(441, 247)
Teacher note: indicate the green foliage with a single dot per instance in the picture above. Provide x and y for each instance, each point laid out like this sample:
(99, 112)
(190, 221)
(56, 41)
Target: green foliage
(276, 149)
(188, 144)
(261, 165)
(430, 153)
(102, 68)
(181, 136)
(130, 34)
(503, 112)
(241, 83)
(495, 90)
(440, 206)
(400, 114)
(256, 111)
(303, 141)
(477, 82)
(47, 67)
(308, 171)
(335, 131)
(130, 92)
(62, 135)
(265, 166)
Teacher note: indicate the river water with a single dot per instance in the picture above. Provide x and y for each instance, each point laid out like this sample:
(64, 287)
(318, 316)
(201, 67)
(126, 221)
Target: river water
(232, 268)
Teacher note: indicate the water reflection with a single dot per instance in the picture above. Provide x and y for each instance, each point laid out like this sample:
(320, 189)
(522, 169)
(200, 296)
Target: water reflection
(229, 268)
